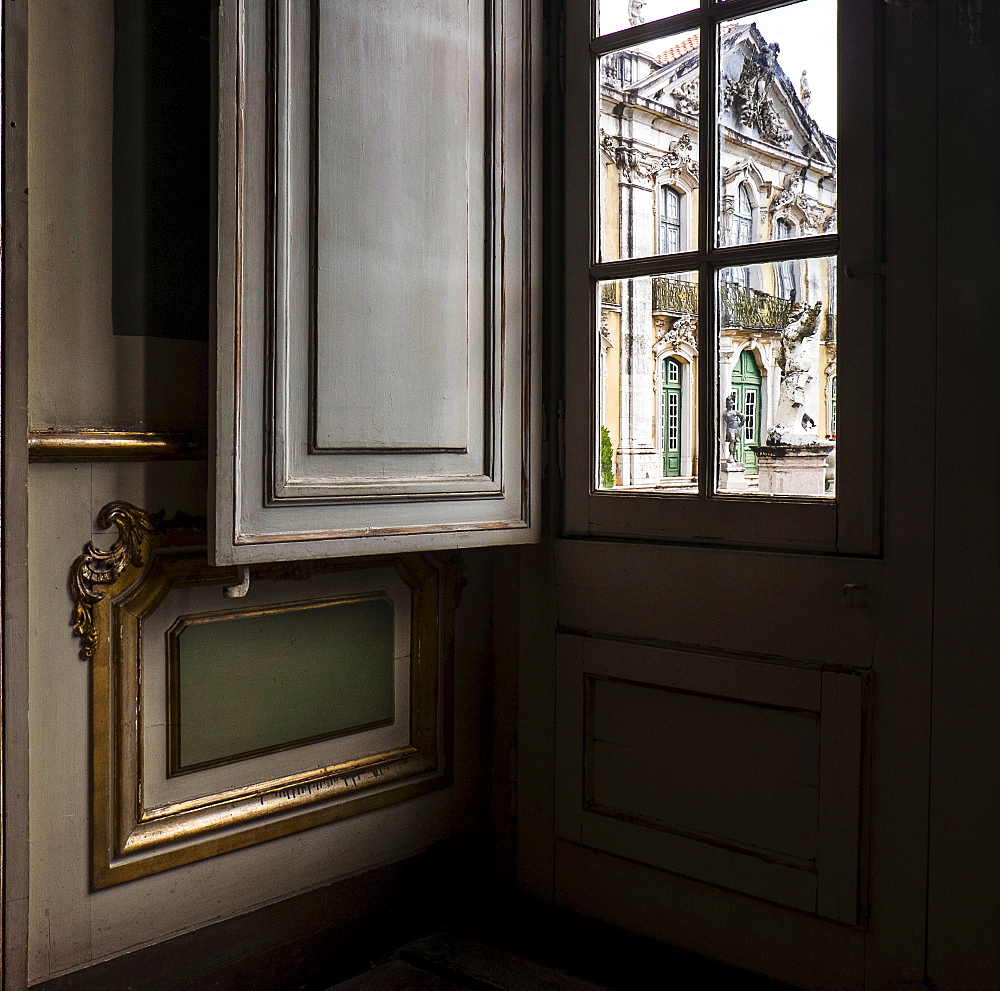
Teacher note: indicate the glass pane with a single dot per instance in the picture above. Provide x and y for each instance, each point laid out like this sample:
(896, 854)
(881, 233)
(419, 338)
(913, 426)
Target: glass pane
(647, 165)
(778, 378)
(778, 124)
(647, 375)
(616, 15)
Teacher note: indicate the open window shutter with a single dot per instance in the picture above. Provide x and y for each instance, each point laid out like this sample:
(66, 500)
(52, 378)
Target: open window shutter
(376, 376)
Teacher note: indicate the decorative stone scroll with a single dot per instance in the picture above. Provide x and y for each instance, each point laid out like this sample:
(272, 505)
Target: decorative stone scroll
(672, 333)
(637, 165)
(687, 97)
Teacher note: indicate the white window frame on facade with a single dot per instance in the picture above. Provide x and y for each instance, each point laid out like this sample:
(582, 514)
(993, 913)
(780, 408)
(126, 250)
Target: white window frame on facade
(848, 523)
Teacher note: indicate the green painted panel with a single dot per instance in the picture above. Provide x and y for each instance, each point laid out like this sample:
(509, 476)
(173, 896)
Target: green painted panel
(246, 684)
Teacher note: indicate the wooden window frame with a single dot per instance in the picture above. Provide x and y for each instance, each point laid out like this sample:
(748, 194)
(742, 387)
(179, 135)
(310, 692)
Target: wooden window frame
(850, 523)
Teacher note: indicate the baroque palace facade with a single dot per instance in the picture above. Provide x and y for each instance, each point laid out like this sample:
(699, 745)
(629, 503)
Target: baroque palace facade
(778, 180)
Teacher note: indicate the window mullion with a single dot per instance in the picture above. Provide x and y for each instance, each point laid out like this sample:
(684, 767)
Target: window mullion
(708, 162)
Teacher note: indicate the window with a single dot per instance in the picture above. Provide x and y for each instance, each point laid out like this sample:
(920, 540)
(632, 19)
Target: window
(742, 230)
(670, 220)
(775, 198)
(786, 269)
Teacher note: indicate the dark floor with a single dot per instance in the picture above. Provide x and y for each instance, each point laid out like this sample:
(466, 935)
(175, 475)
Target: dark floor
(448, 961)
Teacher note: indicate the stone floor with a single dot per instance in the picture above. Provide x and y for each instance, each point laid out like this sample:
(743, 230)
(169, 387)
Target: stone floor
(449, 962)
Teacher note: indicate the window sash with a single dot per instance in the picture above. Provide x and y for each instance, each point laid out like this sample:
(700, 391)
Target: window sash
(849, 523)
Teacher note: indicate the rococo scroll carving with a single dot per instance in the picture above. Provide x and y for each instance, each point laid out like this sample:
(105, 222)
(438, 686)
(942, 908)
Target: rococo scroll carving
(94, 570)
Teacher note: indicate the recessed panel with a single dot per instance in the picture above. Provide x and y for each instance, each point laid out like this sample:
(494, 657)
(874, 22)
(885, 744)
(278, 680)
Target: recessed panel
(396, 100)
(717, 768)
(265, 679)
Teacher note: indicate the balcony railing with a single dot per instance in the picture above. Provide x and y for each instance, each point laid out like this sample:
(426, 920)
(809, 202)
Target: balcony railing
(750, 309)
(674, 296)
(740, 307)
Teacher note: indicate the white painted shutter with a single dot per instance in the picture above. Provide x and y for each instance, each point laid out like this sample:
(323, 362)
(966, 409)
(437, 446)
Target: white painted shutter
(376, 297)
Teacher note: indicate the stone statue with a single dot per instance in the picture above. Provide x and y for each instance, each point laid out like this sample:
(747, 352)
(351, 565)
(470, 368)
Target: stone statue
(793, 423)
(635, 12)
(805, 90)
(733, 421)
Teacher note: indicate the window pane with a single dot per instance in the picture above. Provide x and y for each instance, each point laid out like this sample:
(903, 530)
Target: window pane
(777, 378)
(616, 15)
(647, 373)
(648, 149)
(778, 124)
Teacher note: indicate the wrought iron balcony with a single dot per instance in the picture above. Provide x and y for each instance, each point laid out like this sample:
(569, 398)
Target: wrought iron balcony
(749, 309)
(611, 293)
(674, 296)
(740, 307)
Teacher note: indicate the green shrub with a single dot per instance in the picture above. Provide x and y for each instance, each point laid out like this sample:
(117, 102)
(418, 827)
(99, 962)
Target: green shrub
(607, 460)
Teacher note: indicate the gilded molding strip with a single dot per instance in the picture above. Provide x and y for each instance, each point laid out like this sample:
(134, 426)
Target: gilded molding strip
(114, 445)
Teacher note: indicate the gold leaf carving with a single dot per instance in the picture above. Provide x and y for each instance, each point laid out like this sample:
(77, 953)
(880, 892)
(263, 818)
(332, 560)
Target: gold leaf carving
(95, 569)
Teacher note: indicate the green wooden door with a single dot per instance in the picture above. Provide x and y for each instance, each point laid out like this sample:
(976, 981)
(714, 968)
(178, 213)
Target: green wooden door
(747, 387)
(672, 401)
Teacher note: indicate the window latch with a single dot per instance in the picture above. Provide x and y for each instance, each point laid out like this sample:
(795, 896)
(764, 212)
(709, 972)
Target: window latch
(859, 269)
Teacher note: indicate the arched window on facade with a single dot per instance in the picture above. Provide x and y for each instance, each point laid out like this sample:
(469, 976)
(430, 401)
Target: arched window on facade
(670, 220)
(786, 287)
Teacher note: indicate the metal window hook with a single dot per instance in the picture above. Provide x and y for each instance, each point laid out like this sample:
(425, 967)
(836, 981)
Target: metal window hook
(241, 588)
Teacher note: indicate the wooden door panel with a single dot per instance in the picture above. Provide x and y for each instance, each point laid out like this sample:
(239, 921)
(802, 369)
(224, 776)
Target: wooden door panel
(768, 604)
(740, 774)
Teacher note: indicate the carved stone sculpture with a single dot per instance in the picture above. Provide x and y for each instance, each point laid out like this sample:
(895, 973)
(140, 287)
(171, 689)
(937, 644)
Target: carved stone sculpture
(793, 422)
(732, 424)
(632, 163)
(635, 12)
(681, 156)
(682, 330)
(755, 109)
(687, 97)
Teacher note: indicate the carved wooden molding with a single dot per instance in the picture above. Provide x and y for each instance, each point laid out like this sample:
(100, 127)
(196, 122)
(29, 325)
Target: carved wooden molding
(114, 445)
(138, 825)
(95, 570)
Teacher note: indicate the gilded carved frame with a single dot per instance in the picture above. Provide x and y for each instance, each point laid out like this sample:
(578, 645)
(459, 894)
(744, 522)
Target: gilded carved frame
(115, 590)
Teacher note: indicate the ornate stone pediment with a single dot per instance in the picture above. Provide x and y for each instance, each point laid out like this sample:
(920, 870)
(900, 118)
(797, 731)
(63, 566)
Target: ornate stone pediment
(637, 165)
(747, 96)
(681, 156)
(672, 332)
(815, 216)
